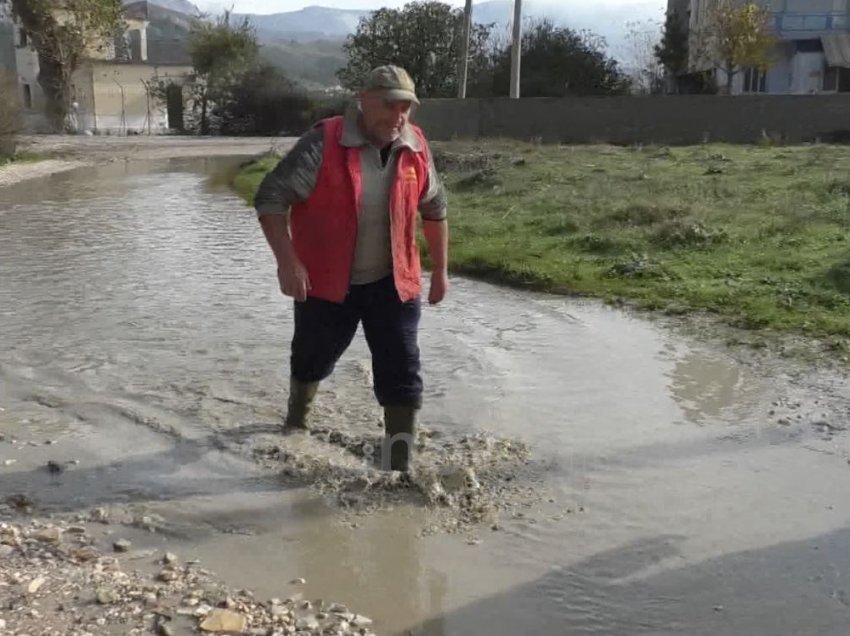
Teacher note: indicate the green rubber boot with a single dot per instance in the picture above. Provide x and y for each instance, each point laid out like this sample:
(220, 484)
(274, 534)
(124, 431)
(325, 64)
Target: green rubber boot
(301, 396)
(399, 437)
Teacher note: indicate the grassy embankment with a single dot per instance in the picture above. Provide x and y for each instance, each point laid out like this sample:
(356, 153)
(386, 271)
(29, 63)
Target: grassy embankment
(21, 157)
(758, 235)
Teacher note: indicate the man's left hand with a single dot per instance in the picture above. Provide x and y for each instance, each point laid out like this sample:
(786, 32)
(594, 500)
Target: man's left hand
(439, 286)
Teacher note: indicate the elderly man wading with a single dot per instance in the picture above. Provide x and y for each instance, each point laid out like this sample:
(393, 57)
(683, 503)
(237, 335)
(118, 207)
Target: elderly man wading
(340, 213)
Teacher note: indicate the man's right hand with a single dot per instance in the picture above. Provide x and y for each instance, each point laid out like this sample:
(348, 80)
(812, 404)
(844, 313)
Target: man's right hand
(294, 280)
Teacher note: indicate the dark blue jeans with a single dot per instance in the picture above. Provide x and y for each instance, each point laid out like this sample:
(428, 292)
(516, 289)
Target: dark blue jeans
(324, 330)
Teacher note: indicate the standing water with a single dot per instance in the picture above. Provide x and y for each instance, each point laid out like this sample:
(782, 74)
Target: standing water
(142, 329)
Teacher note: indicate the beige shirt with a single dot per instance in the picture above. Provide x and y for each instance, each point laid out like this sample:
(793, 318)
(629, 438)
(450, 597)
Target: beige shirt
(373, 259)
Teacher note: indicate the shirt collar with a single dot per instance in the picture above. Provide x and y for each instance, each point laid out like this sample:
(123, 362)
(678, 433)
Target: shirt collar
(352, 136)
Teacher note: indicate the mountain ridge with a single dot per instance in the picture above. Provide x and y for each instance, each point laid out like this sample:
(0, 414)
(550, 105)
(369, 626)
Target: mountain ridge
(317, 22)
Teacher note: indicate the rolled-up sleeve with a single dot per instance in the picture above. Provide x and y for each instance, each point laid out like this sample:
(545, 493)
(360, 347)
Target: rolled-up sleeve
(294, 177)
(433, 204)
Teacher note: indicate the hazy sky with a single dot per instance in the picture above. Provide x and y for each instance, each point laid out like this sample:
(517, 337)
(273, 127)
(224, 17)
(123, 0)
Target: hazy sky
(276, 6)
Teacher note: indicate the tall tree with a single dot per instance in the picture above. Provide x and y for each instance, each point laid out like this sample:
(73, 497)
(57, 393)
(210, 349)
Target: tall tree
(737, 37)
(645, 69)
(558, 61)
(63, 33)
(222, 54)
(11, 119)
(423, 37)
(673, 50)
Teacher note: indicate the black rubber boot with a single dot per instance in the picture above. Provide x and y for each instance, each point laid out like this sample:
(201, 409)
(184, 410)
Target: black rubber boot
(399, 437)
(301, 396)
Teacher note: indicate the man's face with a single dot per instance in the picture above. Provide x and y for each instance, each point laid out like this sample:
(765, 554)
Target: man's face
(383, 119)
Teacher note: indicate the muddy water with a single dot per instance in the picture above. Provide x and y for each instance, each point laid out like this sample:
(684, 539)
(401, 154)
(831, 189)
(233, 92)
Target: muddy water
(141, 331)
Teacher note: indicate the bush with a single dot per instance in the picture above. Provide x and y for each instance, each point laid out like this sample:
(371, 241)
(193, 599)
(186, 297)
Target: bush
(11, 115)
(325, 107)
(265, 102)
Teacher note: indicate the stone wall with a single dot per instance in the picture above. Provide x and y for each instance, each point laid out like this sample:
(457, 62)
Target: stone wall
(685, 119)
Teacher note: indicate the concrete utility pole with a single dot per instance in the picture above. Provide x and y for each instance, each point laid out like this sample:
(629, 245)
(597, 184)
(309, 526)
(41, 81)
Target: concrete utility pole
(463, 62)
(516, 49)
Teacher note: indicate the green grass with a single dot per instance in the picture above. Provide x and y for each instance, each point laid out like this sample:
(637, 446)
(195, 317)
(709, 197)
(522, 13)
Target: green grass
(21, 157)
(758, 235)
(246, 181)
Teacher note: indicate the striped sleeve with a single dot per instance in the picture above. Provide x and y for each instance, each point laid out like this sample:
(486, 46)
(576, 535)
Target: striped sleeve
(433, 205)
(294, 177)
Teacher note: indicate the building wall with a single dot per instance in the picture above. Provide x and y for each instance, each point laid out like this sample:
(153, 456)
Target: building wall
(32, 96)
(83, 96)
(113, 99)
(807, 73)
(685, 119)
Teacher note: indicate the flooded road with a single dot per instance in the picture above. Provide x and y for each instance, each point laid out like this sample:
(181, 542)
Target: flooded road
(142, 331)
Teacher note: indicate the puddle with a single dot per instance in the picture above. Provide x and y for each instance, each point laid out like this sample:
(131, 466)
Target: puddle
(623, 480)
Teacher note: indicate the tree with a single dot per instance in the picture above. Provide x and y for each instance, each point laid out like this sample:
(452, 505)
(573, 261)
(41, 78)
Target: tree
(423, 37)
(63, 33)
(646, 70)
(737, 38)
(265, 102)
(11, 119)
(673, 51)
(556, 62)
(221, 55)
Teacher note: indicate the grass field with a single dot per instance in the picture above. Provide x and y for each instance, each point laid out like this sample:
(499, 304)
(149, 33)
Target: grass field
(759, 235)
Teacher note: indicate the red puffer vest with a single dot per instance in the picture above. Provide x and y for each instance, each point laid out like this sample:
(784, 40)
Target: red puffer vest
(324, 227)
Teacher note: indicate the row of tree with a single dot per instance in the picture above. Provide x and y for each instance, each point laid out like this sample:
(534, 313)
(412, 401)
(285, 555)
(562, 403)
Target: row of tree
(426, 39)
(233, 92)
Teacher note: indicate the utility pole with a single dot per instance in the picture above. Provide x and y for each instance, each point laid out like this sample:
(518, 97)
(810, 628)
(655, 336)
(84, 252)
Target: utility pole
(516, 49)
(463, 61)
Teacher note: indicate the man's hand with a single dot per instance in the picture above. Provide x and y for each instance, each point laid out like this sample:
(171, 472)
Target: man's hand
(291, 273)
(437, 236)
(439, 286)
(293, 279)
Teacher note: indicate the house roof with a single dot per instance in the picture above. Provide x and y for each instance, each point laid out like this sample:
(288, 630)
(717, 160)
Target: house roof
(836, 49)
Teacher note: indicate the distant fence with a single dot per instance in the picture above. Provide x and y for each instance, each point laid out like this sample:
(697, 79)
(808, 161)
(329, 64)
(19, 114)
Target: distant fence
(681, 119)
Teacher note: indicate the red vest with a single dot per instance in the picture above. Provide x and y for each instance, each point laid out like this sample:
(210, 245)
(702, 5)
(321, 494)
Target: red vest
(324, 227)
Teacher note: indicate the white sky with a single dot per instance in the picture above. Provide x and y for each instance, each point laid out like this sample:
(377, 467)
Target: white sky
(279, 6)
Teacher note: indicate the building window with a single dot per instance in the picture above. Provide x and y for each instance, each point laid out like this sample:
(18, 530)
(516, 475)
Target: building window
(755, 81)
(23, 38)
(836, 80)
(830, 80)
(27, 97)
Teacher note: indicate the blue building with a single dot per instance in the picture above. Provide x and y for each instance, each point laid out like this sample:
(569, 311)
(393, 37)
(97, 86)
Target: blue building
(813, 54)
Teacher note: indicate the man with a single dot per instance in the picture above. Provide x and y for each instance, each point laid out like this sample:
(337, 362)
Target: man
(340, 214)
